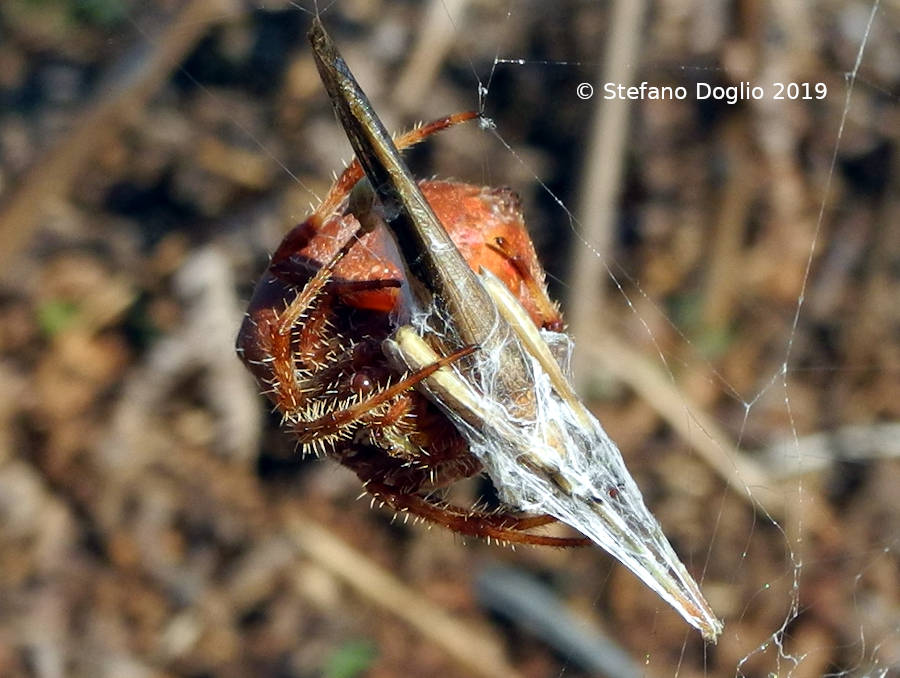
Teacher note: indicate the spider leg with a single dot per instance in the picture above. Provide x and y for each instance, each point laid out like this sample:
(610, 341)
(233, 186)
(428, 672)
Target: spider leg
(354, 172)
(499, 526)
(310, 292)
(274, 335)
(332, 422)
(300, 237)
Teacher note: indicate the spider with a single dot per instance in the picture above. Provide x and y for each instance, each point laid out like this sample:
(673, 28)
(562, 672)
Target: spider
(404, 330)
(333, 294)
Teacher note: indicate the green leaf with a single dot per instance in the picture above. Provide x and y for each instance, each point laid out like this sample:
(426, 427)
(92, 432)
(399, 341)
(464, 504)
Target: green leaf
(350, 660)
(55, 316)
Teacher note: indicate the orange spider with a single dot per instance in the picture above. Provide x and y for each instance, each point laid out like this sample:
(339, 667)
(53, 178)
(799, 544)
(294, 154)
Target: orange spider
(313, 338)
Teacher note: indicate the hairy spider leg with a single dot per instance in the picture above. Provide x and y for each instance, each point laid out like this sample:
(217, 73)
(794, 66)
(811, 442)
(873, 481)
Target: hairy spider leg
(354, 172)
(337, 419)
(289, 392)
(501, 527)
(316, 285)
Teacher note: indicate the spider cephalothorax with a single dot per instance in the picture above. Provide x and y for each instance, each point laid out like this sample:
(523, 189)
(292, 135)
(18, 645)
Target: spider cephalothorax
(404, 330)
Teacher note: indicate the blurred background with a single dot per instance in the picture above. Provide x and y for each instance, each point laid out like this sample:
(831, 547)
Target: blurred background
(155, 522)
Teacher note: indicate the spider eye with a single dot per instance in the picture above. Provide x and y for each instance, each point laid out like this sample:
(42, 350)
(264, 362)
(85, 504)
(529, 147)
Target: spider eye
(362, 383)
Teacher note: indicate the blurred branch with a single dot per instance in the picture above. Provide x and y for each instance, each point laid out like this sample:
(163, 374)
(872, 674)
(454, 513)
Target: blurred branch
(599, 190)
(435, 38)
(715, 447)
(787, 459)
(723, 279)
(203, 342)
(122, 95)
(743, 474)
(528, 603)
(467, 643)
